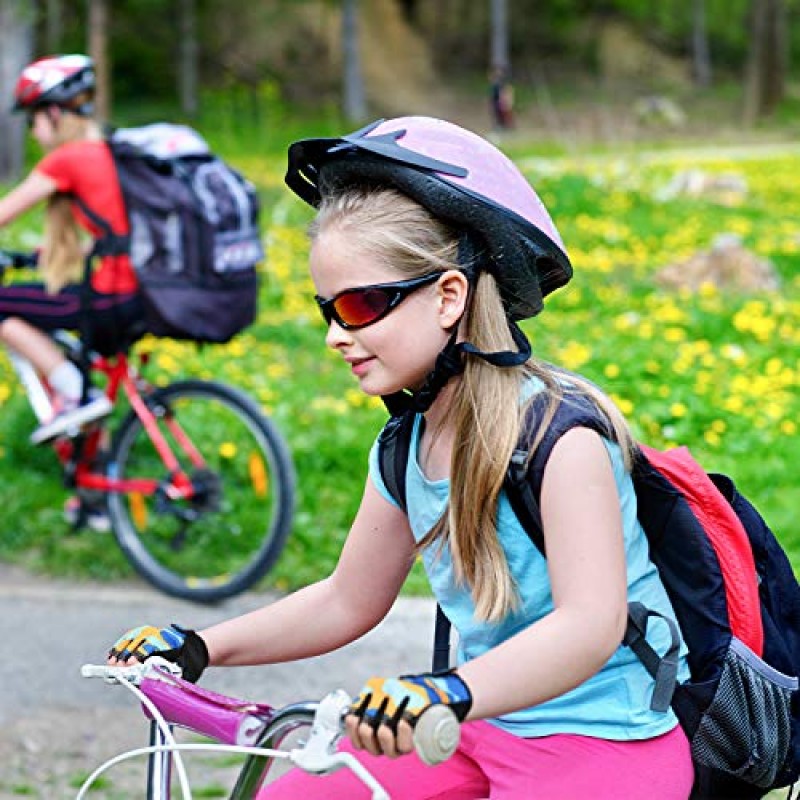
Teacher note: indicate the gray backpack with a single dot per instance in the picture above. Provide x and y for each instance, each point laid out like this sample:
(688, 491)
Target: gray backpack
(194, 239)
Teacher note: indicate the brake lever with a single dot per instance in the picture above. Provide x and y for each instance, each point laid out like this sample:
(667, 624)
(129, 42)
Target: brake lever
(319, 756)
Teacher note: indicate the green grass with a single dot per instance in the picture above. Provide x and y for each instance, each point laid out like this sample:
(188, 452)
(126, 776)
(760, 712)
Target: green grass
(716, 371)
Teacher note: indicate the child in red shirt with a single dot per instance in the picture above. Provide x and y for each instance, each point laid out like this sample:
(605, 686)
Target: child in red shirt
(56, 93)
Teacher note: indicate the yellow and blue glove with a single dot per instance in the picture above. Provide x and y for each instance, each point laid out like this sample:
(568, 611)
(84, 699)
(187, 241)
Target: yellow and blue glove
(178, 645)
(385, 701)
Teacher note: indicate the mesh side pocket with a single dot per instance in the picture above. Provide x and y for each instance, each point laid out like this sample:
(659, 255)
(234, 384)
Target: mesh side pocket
(746, 730)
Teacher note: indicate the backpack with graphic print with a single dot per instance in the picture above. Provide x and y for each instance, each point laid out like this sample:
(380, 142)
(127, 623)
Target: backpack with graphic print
(194, 239)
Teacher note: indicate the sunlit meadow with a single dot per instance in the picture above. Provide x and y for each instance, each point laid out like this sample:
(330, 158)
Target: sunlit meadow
(714, 370)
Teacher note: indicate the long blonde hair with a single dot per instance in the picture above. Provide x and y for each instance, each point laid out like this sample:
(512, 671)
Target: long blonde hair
(391, 227)
(61, 259)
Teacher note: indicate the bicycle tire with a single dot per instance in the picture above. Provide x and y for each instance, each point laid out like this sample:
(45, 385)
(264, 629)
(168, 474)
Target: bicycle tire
(241, 523)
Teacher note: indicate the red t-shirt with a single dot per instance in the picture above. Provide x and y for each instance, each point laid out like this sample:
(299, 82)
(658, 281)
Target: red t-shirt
(86, 169)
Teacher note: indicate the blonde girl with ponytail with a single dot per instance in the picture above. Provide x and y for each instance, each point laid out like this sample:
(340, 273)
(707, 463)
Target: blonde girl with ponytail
(56, 95)
(427, 249)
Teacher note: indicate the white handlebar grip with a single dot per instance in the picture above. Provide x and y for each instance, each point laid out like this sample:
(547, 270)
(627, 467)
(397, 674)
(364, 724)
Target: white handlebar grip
(436, 735)
(94, 671)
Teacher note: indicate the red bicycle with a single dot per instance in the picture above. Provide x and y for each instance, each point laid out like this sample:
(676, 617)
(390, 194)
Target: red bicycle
(197, 482)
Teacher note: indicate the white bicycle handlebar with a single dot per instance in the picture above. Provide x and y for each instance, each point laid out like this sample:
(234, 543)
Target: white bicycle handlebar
(436, 734)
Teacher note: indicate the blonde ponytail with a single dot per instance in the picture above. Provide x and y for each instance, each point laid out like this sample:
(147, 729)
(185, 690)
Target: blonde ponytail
(62, 258)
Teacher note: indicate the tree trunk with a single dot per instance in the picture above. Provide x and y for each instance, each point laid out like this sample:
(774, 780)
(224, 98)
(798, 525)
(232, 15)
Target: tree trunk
(354, 100)
(54, 25)
(16, 48)
(498, 56)
(777, 57)
(187, 67)
(765, 81)
(410, 9)
(701, 54)
(98, 50)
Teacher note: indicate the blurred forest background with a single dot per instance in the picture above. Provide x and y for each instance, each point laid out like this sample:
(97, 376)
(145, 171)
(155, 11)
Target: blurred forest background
(581, 69)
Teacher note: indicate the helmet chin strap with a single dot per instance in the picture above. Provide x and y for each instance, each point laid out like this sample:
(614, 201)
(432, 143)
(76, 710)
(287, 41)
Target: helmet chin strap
(449, 363)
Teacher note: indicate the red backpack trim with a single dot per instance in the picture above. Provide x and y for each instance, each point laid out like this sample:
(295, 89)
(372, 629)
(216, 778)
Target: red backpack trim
(727, 536)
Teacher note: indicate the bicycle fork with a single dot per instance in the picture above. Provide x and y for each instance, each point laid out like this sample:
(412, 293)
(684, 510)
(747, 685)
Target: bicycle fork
(159, 767)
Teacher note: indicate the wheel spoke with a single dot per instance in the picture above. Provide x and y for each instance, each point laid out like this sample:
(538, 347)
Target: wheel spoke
(224, 536)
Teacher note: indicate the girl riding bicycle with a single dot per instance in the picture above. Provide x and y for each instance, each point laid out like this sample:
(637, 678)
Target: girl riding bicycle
(428, 247)
(56, 94)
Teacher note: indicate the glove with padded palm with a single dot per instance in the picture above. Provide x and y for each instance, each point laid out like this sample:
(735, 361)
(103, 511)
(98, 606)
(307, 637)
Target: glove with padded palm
(388, 700)
(181, 646)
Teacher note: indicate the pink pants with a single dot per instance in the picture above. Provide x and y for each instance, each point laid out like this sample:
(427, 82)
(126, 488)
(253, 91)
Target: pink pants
(491, 763)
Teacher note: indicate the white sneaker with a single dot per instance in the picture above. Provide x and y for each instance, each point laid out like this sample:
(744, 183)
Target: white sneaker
(69, 419)
(94, 517)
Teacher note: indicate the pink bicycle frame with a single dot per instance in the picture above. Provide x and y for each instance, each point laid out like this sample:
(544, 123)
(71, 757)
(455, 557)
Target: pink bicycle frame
(225, 719)
(254, 725)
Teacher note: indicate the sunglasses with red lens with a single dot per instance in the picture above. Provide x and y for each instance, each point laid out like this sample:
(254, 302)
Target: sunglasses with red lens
(361, 306)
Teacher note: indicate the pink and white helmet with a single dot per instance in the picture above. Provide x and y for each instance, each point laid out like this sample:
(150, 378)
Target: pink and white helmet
(55, 80)
(459, 177)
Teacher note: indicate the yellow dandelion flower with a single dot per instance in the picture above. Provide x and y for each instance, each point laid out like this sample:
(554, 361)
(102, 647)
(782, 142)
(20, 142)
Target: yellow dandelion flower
(707, 289)
(354, 397)
(575, 355)
(623, 404)
(678, 410)
(227, 450)
(277, 370)
(674, 334)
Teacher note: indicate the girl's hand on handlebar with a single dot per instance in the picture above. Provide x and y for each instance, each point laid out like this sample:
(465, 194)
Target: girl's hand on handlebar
(182, 646)
(382, 718)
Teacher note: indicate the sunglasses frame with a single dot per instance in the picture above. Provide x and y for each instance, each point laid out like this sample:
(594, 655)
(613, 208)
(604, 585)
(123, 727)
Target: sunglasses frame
(397, 291)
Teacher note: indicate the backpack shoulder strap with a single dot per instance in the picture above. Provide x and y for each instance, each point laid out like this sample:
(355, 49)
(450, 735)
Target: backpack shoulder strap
(110, 243)
(394, 443)
(523, 487)
(523, 483)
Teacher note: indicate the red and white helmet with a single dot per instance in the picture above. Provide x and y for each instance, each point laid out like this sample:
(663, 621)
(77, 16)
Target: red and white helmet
(55, 80)
(459, 177)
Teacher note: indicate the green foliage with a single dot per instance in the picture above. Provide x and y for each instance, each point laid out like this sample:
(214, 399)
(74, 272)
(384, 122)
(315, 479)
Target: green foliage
(287, 41)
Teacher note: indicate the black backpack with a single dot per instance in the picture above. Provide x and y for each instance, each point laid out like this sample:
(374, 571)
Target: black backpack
(735, 596)
(194, 239)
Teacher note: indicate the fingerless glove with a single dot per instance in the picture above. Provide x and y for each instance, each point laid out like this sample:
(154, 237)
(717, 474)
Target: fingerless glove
(179, 645)
(388, 700)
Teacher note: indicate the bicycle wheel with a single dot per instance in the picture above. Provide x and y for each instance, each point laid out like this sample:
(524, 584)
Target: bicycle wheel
(230, 532)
